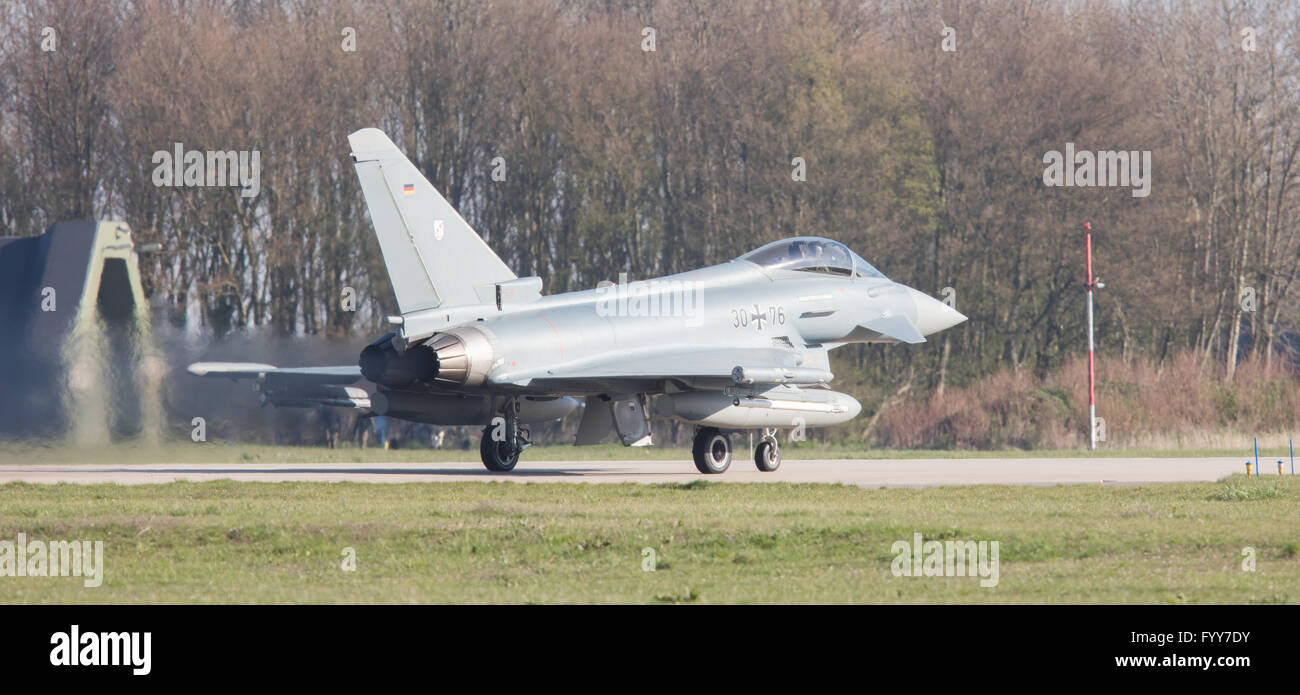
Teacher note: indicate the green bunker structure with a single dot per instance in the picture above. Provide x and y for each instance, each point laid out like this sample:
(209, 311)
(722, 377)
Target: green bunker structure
(77, 359)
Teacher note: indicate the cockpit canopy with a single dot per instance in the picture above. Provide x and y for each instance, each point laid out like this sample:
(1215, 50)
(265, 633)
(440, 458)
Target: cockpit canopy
(814, 255)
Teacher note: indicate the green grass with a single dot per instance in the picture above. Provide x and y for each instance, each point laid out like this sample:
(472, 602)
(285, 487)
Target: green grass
(224, 541)
(1250, 489)
(227, 452)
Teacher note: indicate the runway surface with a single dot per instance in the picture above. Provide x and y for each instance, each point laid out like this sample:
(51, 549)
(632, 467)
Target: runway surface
(863, 472)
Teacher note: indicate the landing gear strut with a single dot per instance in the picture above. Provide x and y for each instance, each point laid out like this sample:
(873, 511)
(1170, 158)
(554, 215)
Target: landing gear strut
(503, 440)
(712, 450)
(767, 455)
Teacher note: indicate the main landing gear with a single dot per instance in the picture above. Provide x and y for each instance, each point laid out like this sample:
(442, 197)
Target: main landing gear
(503, 440)
(712, 451)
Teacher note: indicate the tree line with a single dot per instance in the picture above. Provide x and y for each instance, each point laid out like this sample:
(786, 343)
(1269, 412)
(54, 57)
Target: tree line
(584, 138)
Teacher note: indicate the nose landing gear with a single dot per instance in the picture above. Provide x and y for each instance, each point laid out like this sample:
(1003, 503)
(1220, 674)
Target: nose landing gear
(767, 455)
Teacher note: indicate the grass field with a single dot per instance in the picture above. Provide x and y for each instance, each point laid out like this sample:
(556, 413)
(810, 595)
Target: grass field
(220, 452)
(714, 542)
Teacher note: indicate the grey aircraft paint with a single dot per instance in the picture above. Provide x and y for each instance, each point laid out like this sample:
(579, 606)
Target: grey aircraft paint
(739, 345)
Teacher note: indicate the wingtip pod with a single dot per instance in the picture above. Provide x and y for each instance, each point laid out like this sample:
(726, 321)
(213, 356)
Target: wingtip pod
(226, 368)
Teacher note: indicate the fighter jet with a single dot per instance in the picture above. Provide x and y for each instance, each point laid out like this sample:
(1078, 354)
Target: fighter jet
(739, 346)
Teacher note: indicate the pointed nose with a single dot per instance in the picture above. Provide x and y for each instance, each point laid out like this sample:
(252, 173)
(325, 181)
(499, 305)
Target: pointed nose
(933, 315)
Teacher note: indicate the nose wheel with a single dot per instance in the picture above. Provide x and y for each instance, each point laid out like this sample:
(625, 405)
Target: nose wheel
(767, 455)
(712, 450)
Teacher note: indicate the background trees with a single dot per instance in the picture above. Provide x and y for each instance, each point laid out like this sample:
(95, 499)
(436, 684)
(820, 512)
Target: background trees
(579, 155)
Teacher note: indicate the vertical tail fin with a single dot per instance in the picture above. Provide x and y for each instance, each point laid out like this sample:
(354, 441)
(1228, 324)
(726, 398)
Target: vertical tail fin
(433, 256)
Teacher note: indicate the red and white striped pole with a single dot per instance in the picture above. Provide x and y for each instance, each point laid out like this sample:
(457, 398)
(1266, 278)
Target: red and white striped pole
(1092, 390)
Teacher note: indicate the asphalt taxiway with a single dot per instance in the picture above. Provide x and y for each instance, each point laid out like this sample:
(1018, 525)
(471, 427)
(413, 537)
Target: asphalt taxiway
(862, 472)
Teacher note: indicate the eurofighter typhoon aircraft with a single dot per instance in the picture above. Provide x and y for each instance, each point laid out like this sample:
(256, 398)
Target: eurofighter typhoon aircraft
(738, 346)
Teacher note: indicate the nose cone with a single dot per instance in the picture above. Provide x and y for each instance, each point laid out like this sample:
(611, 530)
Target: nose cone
(933, 315)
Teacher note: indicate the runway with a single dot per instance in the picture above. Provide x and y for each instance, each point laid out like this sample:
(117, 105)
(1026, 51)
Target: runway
(861, 472)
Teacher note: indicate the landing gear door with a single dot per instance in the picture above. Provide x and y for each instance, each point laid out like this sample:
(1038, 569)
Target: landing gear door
(597, 421)
(631, 420)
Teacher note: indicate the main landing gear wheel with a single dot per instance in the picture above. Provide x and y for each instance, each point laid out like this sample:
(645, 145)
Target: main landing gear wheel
(503, 440)
(712, 450)
(767, 455)
(499, 457)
